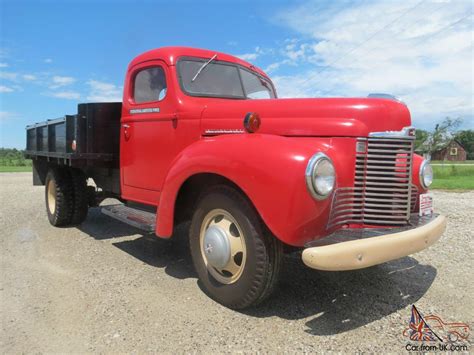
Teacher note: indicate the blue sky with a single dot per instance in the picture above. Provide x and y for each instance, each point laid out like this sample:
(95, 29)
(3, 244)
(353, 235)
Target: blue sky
(55, 54)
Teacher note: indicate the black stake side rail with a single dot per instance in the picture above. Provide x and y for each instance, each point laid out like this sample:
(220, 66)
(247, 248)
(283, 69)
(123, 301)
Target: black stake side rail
(90, 137)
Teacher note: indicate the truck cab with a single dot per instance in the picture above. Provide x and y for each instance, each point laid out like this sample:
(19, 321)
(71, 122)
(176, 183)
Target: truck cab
(201, 136)
(163, 104)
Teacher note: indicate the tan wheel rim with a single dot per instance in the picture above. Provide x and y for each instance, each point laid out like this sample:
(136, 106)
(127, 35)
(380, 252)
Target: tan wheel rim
(51, 197)
(234, 249)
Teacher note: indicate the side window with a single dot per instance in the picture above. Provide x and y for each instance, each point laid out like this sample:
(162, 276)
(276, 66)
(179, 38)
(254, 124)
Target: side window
(255, 87)
(149, 85)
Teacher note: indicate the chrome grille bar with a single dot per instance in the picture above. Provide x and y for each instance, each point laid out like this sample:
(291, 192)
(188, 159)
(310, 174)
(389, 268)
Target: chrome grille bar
(383, 193)
(414, 198)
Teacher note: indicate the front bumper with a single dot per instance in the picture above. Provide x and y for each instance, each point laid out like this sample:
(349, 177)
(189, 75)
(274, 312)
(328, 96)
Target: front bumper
(351, 249)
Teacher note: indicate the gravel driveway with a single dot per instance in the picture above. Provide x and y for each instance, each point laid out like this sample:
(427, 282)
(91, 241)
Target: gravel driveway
(105, 287)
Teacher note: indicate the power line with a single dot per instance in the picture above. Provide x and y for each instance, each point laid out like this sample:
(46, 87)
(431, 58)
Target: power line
(424, 38)
(366, 40)
(399, 32)
(447, 27)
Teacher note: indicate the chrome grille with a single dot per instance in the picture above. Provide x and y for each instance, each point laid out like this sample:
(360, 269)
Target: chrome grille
(414, 198)
(381, 194)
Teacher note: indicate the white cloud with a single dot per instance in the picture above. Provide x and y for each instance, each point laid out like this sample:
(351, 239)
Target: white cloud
(16, 87)
(294, 50)
(5, 89)
(422, 52)
(42, 78)
(17, 77)
(247, 56)
(252, 56)
(293, 86)
(29, 77)
(104, 92)
(276, 65)
(68, 95)
(48, 60)
(3, 65)
(8, 76)
(60, 81)
(5, 115)
(272, 67)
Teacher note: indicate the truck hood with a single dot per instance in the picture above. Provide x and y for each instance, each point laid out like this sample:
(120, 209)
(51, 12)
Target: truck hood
(343, 117)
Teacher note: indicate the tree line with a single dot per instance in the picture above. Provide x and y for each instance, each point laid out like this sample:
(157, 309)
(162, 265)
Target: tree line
(13, 157)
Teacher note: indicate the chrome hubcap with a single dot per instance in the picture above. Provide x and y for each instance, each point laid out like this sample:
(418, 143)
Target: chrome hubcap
(223, 246)
(216, 246)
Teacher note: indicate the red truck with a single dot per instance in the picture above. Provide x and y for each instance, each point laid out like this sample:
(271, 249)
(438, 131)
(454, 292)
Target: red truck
(201, 136)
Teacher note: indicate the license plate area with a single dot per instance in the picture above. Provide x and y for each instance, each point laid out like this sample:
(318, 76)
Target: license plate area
(426, 204)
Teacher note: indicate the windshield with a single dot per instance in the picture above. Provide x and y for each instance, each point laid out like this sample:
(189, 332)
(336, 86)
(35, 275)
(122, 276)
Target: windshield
(222, 79)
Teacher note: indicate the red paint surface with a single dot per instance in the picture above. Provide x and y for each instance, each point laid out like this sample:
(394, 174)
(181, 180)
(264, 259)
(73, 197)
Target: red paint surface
(159, 151)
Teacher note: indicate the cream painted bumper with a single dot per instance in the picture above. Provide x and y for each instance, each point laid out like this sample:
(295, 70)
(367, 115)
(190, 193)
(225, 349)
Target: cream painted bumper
(373, 250)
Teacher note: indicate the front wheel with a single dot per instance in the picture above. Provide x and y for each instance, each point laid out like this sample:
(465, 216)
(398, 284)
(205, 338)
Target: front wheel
(236, 258)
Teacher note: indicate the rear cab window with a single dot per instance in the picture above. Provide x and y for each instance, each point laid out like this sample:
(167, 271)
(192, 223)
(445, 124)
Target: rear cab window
(149, 85)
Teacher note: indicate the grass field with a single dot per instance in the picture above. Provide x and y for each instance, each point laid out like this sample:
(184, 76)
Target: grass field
(453, 177)
(440, 162)
(14, 163)
(14, 169)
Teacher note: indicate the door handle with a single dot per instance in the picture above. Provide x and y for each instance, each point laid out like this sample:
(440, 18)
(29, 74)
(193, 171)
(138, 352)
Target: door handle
(126, 126)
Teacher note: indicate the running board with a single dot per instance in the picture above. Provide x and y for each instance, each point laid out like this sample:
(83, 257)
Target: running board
(135, 217)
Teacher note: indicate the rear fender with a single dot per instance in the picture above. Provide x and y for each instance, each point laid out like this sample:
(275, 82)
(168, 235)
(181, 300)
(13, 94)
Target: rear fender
(268, 169)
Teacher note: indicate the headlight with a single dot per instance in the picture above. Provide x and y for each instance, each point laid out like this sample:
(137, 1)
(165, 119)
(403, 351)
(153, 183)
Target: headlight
(426, 174)
(320, 176)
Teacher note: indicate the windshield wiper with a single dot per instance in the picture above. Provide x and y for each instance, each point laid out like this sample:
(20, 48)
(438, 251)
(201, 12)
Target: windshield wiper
(203, 66)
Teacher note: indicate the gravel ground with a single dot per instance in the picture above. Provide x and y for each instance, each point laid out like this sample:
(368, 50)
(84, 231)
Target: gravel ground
(104, 287)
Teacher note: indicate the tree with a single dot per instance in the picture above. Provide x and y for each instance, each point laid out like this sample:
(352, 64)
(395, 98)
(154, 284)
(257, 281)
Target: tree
(421, 137)
(442, 134)
(13, 157)
(466, 138)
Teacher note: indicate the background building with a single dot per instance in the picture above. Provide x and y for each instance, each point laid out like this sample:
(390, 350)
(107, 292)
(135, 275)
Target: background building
(452, 151)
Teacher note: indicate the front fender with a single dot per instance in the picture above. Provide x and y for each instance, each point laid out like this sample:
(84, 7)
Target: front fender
(270, 171)
(417, 160)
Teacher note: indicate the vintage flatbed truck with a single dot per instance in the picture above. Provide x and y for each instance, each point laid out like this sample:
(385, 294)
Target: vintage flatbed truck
(201, 136)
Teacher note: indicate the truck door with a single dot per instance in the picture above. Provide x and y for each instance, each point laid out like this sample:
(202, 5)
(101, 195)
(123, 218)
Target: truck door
(147, 123)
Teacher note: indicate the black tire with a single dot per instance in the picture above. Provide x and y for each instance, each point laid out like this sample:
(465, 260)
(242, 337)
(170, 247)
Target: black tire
(260, 272)
(81, 196)
(59, 197)
(92, 197)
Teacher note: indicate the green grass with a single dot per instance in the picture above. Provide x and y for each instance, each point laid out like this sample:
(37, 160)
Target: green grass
(441, 162)
(14, 169)
(15, 164)
(453, 177)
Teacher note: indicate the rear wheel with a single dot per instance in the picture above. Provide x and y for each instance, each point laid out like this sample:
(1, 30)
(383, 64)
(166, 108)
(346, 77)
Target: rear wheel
(81, 196)
(59, 197)
(235, 256)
